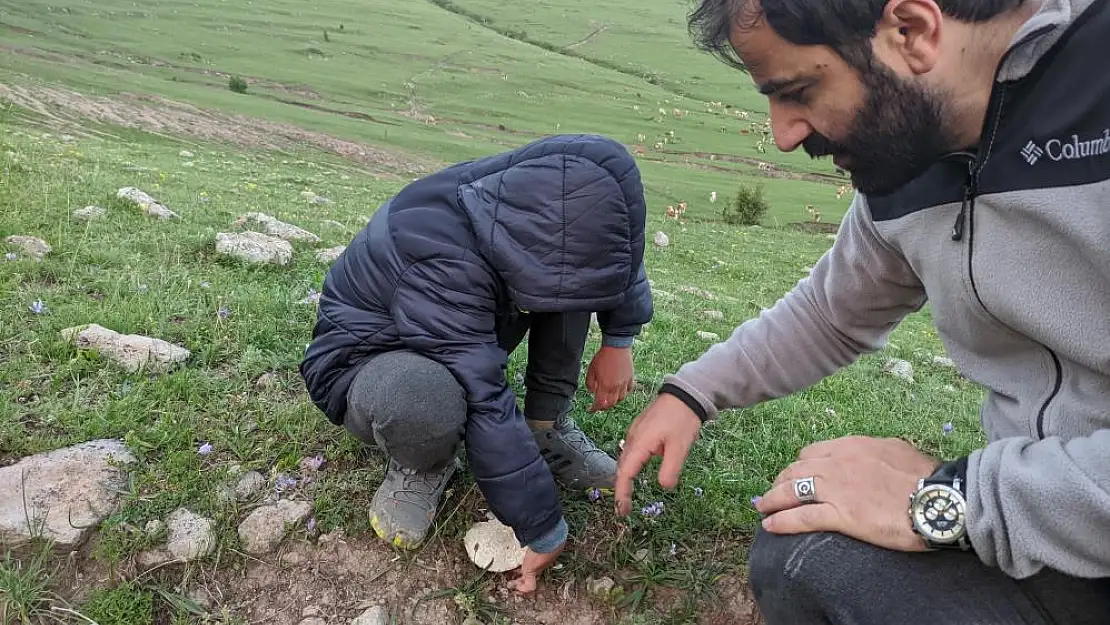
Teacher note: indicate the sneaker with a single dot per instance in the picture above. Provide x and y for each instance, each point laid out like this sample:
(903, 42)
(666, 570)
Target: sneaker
(574, 459)
(406, 503)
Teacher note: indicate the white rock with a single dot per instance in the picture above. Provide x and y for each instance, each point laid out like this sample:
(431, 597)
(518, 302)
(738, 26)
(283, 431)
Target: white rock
(330, 255)
(263, 529)
(313, 620)
(267, 380)
(89, 213)
(254, 247)
(942, 361)
(154, 527)
(714, 315)
(190, 537)
(131, 351)
(68, 492)
(185, 154)
(831, 237)
(246, 486)
(493, 545)
(35, 247)
(660, 239)
(661, 294)
(277, 228)
(708, 336)
(900, 369)
(376, 615)
(145, 202)
(600, 587)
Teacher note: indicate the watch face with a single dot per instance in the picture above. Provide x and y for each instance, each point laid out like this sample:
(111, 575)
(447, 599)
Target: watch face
(938, 513)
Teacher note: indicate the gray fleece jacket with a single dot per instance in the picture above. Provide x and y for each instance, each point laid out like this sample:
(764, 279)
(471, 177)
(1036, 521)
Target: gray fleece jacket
(1010, 246)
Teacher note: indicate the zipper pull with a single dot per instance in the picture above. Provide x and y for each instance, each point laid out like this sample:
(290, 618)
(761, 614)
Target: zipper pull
(958, 227)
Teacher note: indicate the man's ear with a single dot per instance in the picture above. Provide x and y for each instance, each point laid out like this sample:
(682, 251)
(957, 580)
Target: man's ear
(908, 34)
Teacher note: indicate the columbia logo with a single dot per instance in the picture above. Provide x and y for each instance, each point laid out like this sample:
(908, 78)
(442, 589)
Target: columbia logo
(1031, 152)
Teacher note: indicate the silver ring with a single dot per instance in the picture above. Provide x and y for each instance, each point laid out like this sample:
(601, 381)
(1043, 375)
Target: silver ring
(804, 490)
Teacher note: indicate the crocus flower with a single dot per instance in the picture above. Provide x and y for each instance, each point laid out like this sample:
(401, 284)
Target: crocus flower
(205, 449)
(653, 510)
(224, 312)
(595, 494)
(947, 428)
(11, 256)
(37, 307)
(698, 492)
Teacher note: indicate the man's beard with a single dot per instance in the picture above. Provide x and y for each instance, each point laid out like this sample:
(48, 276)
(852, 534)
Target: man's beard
(897, 134)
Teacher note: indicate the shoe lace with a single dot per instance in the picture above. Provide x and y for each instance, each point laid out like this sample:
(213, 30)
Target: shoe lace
(422, 485)
(576, 438)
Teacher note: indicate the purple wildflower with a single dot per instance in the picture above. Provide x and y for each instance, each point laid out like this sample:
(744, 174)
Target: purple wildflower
(653, 510)
(595, 494)
(224, 312)
(11, 256)
(143, 288)
(205, 449)
(674, 549)
(698, 492)
(756, 499)
(37, 307)
(311, 525)
(206, 285)
(284, 482)
(947, 428)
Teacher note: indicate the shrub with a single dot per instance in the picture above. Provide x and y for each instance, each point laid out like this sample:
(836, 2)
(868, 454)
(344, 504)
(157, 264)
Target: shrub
(237, 84)
(746, 208)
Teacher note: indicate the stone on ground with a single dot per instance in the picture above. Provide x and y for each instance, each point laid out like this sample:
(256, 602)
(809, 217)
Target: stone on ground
(263, 529)
(68, 492)
(493, 545)
(662, 295)
(708, 336)
(131, 351)
(661, 239)
(243, 488)
(34, 247)
(190, 536)
(900, 369)
(714, 315)
(376, 615)
(942, 361)
(185, 154)
(89, 213)
(330, 255)
(254, 247)
(145, 202)
(693, 290)
(277, 228)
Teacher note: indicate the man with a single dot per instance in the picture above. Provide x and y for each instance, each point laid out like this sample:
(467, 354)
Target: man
(419, 314)
(977, 133)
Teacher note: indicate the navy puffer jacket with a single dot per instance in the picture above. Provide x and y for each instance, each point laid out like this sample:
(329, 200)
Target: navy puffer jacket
(554, 226)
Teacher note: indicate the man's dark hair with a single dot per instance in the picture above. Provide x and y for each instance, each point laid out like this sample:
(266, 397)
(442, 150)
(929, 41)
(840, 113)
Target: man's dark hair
(846, 26)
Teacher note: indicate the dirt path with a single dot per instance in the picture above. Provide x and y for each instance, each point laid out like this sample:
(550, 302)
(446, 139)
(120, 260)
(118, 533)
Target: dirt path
(156, 114)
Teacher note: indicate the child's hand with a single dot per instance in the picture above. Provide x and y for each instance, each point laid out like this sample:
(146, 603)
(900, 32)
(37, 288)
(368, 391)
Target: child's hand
(534, 564)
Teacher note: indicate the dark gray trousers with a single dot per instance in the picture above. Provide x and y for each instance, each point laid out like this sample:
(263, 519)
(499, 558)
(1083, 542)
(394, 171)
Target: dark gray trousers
(830, 579)
(414, 409)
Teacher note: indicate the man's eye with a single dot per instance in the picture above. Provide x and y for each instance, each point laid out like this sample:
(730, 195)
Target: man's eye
(796, 96)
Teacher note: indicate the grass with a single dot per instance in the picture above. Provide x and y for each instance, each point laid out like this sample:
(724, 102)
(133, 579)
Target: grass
(492, 76)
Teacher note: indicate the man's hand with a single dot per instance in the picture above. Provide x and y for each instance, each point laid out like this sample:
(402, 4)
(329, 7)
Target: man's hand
(862, 486)
(534, 564)
(610, 376)
(667, 428)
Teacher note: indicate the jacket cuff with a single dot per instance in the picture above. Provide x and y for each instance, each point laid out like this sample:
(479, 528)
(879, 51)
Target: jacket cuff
(609, 340)
(552, 539)
(687, 399)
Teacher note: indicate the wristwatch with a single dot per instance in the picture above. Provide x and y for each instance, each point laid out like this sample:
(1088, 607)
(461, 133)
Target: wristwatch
(938, 508)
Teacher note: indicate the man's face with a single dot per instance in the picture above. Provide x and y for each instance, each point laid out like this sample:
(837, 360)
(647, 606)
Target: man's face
(883, 129)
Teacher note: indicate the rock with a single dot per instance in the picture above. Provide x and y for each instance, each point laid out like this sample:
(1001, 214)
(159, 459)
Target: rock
(267, 380)
(600, 587)
(263, 529)
(663, 295)
(641, 555)
(89, 213)
(191, 536)
(660, 239)
(331, 223)
(313, 620)
(693, 290)
(132, 351)
(708, 336)
(831, 237)
(330, 255)
(254, 247)
(899, 369)
(153, 557)
(185, 154)
(68, 492)
(311, 611)
(154, 527)
(34, 247)
(248, 485)
(494, 546)
(714, 315)
(942, 361)
(277, 228)
(376, 615)
(201, 597)
(145, 202)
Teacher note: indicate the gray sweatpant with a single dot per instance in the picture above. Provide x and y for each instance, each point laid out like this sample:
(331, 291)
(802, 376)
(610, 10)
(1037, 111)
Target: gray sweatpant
(413, 408)
(830, 579)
